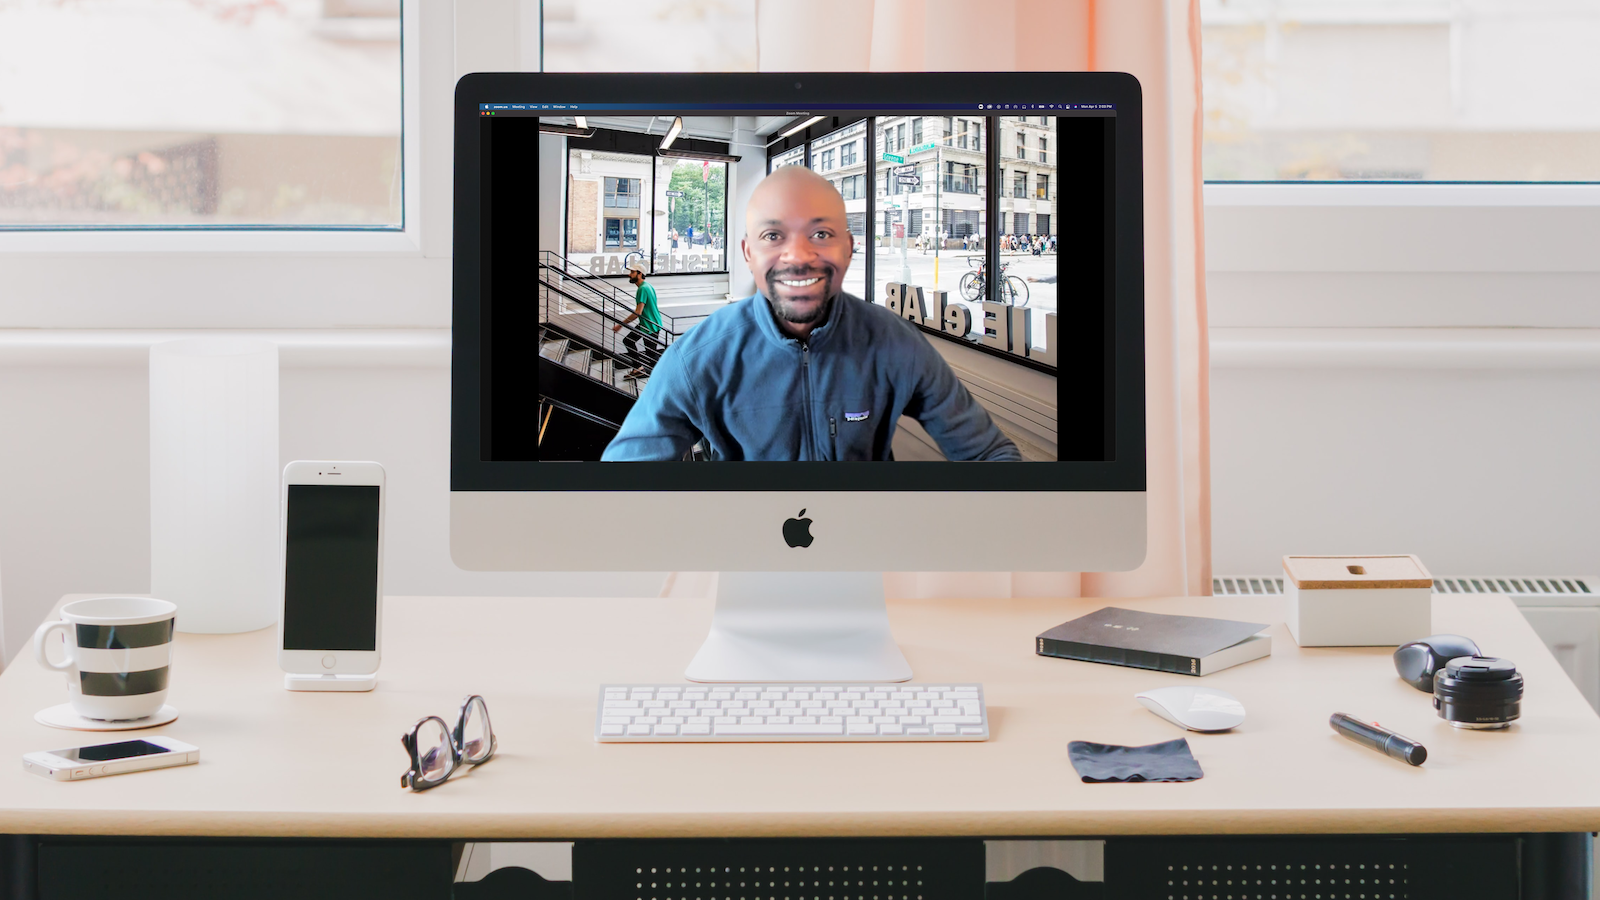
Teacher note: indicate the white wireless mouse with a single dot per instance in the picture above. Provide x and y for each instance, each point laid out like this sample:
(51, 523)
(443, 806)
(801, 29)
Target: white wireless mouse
(1194, 708)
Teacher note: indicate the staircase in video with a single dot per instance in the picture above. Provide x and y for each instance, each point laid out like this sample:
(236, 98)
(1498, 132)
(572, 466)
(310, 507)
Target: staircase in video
(589, 375)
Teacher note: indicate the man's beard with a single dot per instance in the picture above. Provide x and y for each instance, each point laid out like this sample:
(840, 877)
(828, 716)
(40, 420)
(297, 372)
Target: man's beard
(785, 310)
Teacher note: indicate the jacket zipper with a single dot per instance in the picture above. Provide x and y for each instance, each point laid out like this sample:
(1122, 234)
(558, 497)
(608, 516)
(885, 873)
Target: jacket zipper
(805, 383)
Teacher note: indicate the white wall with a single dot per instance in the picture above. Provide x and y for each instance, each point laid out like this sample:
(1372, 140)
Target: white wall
(1488, 468)
(747, 173)
(553, 183)
(74, 488)
(1473, 446)
(1477, 471)
(1405, 370)
(74, 480)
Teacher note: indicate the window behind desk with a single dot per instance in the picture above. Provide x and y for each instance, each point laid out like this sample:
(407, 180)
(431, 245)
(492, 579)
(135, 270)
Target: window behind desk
(1402, 90)
(178, 114)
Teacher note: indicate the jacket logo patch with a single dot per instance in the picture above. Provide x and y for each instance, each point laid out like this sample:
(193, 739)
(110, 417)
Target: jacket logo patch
(858, 416)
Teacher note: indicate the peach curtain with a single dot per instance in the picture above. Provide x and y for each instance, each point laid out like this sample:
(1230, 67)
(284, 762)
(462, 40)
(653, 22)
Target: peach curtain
(1158, 41)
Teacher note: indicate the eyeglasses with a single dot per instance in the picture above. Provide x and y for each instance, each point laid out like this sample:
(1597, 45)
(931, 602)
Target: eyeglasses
(436, 751)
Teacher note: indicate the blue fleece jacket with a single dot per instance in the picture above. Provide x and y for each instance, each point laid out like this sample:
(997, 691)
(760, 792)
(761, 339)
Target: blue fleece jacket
(753, 393)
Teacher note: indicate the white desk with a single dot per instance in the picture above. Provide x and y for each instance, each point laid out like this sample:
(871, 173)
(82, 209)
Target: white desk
(280, 764)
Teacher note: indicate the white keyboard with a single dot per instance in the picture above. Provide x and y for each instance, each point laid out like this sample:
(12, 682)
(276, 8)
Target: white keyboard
(695, 713)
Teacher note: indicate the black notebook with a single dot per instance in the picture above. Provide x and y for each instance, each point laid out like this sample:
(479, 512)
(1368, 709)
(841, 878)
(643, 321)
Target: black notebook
(1185, 645)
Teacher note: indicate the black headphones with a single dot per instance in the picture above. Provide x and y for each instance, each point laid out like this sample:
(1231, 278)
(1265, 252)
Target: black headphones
(1417, 661)
(1469, 689)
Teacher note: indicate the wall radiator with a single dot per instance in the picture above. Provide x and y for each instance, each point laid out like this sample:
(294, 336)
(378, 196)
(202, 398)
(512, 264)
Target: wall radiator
(1576, 589)
(1564, 612)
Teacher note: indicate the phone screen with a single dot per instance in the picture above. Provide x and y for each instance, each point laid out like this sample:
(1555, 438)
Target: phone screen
(331, 571)
(107, 752)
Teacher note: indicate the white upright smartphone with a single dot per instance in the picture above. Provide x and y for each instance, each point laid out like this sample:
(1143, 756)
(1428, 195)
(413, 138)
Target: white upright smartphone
(78, 763)
(332, 574)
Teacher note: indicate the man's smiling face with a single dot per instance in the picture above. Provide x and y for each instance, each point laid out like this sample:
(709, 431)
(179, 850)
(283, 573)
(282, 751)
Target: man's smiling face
(797, 245)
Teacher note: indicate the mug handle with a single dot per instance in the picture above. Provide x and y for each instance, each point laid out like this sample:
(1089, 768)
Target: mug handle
(43, 634)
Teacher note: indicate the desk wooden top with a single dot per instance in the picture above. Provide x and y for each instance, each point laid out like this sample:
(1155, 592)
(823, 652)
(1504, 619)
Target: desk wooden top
(275, 763)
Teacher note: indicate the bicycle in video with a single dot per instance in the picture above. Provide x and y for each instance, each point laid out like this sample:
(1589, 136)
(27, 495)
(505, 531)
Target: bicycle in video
(1013, 290)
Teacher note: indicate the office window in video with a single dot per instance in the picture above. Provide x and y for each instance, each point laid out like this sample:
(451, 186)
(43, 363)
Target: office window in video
(608, 213)
(931, 221)
(839, 156)
(692, 208)
(670, 214)
(795, 157)
(1027, 243)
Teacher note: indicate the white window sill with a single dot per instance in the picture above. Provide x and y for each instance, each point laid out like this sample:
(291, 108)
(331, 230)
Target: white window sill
(1400, 194)
(1405, 348)
(1402, 228)
(199, 241)
(1231, 348)
(300, 348)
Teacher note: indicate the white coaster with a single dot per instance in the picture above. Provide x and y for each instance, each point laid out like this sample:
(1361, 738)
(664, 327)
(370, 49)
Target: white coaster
(63, 716)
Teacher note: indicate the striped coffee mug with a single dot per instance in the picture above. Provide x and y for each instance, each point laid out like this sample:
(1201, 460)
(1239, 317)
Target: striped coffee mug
(118, 654)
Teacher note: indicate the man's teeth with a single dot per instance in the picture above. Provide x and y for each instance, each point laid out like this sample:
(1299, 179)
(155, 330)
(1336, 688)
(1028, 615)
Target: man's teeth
(806, 283)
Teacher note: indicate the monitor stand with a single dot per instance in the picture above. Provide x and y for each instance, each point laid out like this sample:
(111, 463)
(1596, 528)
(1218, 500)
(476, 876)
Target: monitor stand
(799, 627)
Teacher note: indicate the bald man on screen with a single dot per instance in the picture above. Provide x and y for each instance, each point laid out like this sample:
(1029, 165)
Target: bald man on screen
(801, 370)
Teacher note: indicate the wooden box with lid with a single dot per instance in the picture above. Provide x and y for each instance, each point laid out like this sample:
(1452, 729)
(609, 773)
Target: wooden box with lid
(1357, 601)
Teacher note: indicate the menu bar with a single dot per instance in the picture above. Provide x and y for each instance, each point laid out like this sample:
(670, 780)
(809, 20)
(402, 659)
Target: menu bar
(786, 109)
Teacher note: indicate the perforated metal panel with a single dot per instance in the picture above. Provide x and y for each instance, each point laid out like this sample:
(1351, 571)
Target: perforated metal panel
(778, 870)
(1302, 881)
(1313, 868)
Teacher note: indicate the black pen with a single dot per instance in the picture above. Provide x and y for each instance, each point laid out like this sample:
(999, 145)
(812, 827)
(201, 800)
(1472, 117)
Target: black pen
(1380, 739)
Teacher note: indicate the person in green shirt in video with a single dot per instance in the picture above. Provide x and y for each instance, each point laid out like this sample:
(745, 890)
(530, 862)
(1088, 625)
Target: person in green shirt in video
(649, 316)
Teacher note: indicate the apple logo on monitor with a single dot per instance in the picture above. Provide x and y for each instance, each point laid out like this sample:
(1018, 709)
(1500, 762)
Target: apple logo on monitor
(797, 531)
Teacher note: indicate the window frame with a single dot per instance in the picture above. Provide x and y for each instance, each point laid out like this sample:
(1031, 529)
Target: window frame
(1400, 227)
(772, 158)
(1413, 243)
(405, 240)
(619, 194)
(653, 161)
(231, 278)
(962, 173)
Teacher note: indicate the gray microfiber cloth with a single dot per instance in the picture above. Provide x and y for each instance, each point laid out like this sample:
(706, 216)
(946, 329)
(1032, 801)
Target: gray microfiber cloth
(1168, 761)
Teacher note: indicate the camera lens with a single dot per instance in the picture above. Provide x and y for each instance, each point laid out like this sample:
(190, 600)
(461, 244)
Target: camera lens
(797, 85)
(1479, 692)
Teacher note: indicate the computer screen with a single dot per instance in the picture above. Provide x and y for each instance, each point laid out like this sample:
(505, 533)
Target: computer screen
(856, 320)
(825, 286)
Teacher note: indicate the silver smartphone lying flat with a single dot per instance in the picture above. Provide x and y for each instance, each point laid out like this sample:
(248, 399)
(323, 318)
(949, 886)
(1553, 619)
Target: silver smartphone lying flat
(78, 763)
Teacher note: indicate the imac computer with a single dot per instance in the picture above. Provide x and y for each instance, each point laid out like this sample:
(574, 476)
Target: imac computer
(800, 329)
